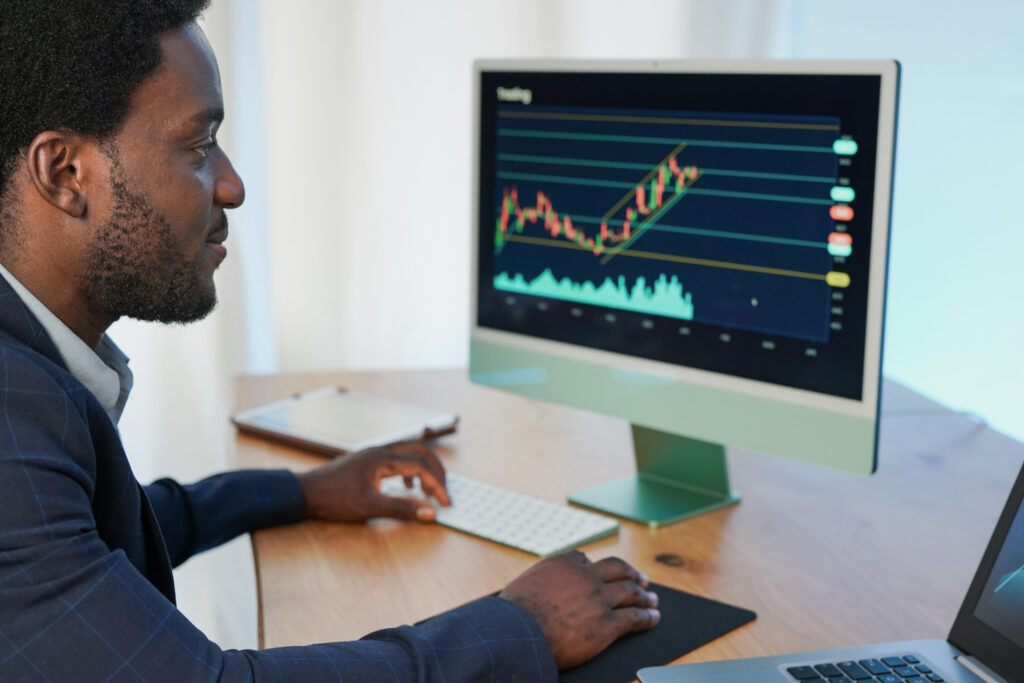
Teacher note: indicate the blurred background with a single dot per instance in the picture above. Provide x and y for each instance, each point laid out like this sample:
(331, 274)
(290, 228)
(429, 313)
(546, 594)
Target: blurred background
(350, 122)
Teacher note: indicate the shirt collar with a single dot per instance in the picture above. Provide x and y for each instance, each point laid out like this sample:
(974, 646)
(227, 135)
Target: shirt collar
(103, 370)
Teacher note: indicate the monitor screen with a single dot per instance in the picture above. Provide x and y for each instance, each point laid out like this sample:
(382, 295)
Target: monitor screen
(696, 247)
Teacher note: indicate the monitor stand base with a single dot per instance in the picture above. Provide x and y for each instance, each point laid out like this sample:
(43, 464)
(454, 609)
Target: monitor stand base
(677, 477)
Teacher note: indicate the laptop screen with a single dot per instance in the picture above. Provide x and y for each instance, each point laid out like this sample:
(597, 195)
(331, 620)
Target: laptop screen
(1001, 604)
(990, 625)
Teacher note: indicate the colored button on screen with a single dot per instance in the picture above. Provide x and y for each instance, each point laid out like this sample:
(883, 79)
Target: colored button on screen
(841, 212)
(845, 147)
(841, 193)
(837, 279)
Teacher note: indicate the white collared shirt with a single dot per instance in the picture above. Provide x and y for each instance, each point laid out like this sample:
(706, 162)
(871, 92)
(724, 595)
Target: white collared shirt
(104, 370)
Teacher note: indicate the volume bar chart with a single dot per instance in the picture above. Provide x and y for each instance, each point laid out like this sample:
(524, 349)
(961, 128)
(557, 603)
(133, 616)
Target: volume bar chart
(664, 297)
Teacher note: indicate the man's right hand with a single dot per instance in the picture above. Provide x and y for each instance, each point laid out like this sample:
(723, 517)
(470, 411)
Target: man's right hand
(583, 606)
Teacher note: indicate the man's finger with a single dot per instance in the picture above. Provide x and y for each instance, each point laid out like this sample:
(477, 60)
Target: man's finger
(629, 619)
(616, 569)
(431, 481)
(421, 450)
(433, 487)
(629, 594)
(405, 508)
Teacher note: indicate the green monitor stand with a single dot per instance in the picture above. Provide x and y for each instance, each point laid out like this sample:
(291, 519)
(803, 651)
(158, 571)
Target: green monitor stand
(677, 477)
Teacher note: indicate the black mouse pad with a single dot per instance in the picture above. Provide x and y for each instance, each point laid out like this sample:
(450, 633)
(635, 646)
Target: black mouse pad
(687, 622)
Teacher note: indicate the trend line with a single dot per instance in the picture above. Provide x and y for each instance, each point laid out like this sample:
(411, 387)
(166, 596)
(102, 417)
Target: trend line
(670, 159)
(642, 228)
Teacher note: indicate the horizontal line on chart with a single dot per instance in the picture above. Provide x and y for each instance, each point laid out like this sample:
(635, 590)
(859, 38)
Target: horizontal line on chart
(703, 232)
(615, 118)
(642, 139)
(540, 241)
(597, 182)
(628, 166)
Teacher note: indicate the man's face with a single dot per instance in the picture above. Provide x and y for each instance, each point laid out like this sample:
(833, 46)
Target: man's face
(159, 232)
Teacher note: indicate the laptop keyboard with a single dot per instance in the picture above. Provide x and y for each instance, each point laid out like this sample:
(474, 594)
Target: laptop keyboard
(905, 669)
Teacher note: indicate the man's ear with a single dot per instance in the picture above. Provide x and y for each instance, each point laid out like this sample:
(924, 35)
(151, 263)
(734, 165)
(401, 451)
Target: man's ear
(55, 162)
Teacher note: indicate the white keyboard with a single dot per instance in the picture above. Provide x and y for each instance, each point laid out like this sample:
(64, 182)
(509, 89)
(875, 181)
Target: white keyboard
(514, 519)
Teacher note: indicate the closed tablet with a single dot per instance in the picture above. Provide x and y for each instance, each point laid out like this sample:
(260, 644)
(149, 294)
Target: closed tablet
(335, 420)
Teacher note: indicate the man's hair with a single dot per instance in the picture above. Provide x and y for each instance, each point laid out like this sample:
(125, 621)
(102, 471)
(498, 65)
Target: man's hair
(73, 65)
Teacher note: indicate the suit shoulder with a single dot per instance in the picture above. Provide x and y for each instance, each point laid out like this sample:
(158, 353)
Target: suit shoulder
(27, 372)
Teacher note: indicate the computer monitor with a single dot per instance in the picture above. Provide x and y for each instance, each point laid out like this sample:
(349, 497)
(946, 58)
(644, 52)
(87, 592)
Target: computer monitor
(696, 247)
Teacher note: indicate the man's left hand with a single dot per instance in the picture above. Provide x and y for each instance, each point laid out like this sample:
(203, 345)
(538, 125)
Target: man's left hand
(348, 488)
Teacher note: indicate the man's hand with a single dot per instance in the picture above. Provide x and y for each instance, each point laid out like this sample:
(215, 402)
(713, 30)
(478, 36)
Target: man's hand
(583, 606)
(348, 488)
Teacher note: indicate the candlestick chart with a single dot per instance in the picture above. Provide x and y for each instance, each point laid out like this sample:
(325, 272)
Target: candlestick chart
(712, 217)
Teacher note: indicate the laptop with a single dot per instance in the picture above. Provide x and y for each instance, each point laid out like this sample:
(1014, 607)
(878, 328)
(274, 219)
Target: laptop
(986, 643)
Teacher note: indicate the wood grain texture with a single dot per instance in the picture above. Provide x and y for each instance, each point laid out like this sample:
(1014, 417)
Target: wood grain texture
(826, 559)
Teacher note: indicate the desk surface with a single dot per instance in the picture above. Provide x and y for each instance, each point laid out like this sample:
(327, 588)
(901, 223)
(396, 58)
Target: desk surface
(826, 559)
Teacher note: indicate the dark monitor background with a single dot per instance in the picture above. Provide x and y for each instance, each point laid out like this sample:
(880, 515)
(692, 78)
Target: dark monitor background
(696, 247)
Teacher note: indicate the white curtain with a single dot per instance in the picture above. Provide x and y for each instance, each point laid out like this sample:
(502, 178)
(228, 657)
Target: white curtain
(369, 158)
(350, 124)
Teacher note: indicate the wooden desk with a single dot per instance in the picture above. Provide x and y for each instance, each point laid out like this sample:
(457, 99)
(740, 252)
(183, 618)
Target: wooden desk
(826, 559)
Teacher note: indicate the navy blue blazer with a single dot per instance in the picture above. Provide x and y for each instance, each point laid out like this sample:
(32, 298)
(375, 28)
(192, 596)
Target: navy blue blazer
(86, 591)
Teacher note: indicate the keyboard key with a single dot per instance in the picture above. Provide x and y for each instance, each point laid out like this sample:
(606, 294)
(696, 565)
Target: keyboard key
(904, 671)
(829, 670)
(890, 678)
(923, 668)
(802, 673)
(840, 679)
(874, 666)
(914, 679)
(936, 678)
(893, 661)
(911, 659)
(854, 671)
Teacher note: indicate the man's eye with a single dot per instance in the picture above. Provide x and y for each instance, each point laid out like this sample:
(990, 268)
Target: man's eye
(204, 149)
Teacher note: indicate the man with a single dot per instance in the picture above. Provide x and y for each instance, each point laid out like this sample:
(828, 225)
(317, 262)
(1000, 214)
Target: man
(112, 203)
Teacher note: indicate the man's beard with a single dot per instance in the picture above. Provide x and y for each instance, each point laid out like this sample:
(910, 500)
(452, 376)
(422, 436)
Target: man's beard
(134, 269)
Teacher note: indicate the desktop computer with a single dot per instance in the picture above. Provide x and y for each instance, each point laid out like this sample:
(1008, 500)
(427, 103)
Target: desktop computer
(696, 247)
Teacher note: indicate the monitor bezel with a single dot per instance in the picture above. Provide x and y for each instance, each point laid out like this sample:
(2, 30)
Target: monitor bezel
(888, 71)
(969, 633)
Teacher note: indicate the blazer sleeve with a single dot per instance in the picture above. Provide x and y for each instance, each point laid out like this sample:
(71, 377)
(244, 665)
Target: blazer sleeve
(72, 609)
(200, 516)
